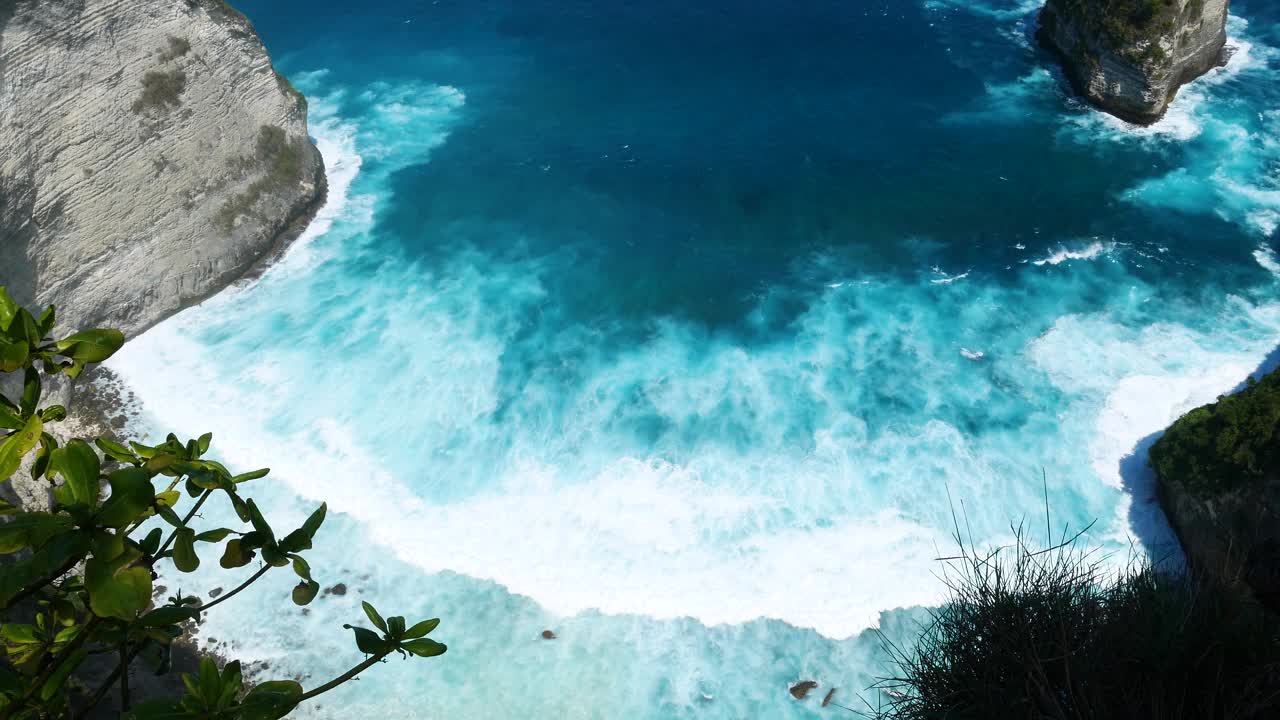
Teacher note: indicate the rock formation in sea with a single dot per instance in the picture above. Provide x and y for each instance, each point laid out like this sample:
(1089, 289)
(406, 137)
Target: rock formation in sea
(1129, 57)
(1218, 471)
(151, 155)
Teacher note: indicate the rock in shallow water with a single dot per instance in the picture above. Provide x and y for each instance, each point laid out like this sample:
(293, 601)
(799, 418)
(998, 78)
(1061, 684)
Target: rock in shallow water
(1129, 57)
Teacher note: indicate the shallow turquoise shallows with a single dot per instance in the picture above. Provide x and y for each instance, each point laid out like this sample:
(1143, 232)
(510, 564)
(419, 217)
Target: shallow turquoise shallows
(681, 329)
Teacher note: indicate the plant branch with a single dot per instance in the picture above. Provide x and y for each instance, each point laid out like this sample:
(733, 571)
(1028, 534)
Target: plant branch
(49, 579)
(348, 675)
(261, 571)
(124, 674)
(190, 514)
(105, 687)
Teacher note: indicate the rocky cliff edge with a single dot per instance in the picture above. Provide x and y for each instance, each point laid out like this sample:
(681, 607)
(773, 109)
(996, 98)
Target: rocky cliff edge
(151, 155)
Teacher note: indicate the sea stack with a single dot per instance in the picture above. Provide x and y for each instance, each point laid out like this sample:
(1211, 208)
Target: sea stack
(1129, 57)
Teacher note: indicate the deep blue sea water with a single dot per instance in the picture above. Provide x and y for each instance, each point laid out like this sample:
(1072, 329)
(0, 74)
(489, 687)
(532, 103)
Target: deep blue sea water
(673, 327)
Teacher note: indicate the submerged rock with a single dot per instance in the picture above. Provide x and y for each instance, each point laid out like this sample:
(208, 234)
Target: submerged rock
(801, 690)
(548, 635)
(1129, 57)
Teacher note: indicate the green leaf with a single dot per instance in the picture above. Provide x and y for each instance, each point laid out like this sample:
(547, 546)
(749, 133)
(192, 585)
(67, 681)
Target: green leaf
(423, 628)
(300, 567)
(203, 442)
(10, 419)
(60, 550)
(236, 554)
(78, 465)
(115, 451)
(254, 475)
(373, 615)
(15, 447)
(270, 700)
(369, 642)
(296, 541)
(168, 615)
(54, 413)
(116, 589)
(167, 514)
(315, 520)
(273, 556)
(213, 536)
(31, 530)
(91, 346)
(239, 505)
(305, 591)
(73, 369)
(151, 543)
(425, 647)
(13, 355)
(168, 498)
(131, 496)
(184, 550)
(31, 390)
(259, 523)
(47, 320)
(29, 329)
(8, 309)
(395, 626)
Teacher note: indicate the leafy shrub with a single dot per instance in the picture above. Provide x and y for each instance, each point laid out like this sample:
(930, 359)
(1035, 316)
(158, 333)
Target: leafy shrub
(177, 47)
(1225, 444)
(1048, 634)
(280, 162)
(1121, 23)
(161, 90)
(56, 616)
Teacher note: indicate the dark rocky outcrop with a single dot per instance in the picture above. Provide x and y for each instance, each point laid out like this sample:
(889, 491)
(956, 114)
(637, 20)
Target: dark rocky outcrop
(802, 689)
(1129, 57)
(1218, 470)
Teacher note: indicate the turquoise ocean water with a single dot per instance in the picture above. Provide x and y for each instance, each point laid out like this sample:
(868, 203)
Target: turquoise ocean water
(669, 326)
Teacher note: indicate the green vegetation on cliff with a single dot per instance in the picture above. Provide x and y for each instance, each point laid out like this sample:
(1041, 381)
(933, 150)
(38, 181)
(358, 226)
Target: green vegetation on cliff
(1129, 27)
(1223, 445)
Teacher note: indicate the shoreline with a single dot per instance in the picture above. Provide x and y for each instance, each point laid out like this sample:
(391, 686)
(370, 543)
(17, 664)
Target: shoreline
(102, 403)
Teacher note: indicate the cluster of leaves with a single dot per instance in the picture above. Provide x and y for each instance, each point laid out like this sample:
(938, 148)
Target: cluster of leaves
(1050, 633)
(1231, 442)
(55, 616)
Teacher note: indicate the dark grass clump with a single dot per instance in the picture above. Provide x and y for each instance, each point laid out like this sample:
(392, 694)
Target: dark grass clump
(1052, 634)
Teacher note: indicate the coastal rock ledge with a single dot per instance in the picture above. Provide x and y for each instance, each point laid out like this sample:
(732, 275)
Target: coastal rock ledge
(151, 156)
(1129, 57)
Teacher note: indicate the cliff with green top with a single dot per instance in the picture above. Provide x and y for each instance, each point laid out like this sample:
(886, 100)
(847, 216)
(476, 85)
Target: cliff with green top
(1219, 482)
(1129, 57)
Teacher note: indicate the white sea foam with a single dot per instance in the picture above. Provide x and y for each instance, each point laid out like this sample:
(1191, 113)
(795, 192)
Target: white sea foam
(1147, 379)
(1266, 257)
(1092, 251)
(946, 279)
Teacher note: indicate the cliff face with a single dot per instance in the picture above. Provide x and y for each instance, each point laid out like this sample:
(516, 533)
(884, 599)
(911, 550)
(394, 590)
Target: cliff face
(1218, 470)
(151, 155)
(1129, 57)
